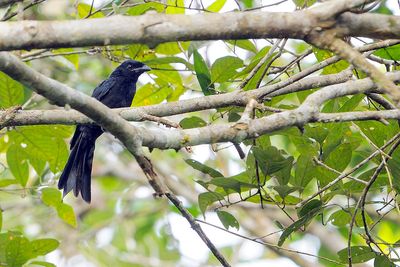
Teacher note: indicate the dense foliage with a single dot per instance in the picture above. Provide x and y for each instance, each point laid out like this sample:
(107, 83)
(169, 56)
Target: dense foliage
(299, 186)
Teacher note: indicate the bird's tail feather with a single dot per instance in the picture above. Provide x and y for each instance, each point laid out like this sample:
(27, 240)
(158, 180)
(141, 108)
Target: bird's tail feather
(77, 172)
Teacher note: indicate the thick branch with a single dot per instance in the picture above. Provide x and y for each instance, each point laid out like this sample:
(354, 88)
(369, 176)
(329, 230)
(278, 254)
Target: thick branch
(153, 29)
(306, 113)
(35, 117)
(328, 40)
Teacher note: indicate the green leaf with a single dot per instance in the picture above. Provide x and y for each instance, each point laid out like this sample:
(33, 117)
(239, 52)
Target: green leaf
(317, 133)
(244, 44)
(308, 212)
(140, 9)
(11, 92)
(374, 131)
(74, 58)
(391, 52)
(383, 261)
(340, 157)
(169, 78)
(16, 160)
(44, 246)
(352, 103)
(1, 219)
(207, 198)
(139, 52)
(216, 6)
(284, 190)
(66, 213)
(17, 249)
(228, 220)
(359, 254)
(84, 9)
(175, 7)
(337, 67)
(167, 60)
(203, 168)
(43, 144)
(248, 3)
(151, 94)
(172, 48)
(203, 74)
(224, 68)
(174, 96)
(293, 227)
(42, 263)
(51, 197)
(342, 218)
(271, 161)
(333, 139)
(304, 3)
(304, 170)
(254, 61)
(226, 184)
(244, 178)
(258, 75)
(7, 182)
(235, 183)
(310, 207)
(192, 122)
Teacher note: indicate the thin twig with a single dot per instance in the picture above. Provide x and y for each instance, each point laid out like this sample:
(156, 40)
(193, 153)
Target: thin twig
(196, 227)
(257, 240)
(348, 172)
(361, 204)
(259, 65)
(316, 160)
(33, 3)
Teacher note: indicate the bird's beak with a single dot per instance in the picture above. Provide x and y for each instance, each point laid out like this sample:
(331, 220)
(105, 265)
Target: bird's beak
(144, 68)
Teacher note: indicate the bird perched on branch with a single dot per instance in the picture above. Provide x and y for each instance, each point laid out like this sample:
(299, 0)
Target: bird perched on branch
(115, 92)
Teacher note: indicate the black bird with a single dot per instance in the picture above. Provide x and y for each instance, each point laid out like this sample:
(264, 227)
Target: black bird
(115, 92)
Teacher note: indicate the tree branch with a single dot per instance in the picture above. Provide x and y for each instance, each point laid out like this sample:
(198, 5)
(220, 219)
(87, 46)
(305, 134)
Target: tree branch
(153, 29)
(35, 117)
(328, 40)
(196, 227)
(178, 138)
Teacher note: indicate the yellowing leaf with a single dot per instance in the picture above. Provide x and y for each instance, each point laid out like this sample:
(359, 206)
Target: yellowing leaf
(84, 10)
(216, 6)
(175, 7)
(151, 94)
(66, 213)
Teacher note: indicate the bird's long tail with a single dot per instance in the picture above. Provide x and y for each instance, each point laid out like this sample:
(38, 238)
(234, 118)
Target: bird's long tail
(77, 172)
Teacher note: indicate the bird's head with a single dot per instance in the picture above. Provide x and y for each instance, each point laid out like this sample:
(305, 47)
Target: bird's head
(130, 69)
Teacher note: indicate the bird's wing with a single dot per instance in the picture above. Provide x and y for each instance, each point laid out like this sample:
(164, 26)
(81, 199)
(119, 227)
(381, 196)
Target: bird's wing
(104, 88)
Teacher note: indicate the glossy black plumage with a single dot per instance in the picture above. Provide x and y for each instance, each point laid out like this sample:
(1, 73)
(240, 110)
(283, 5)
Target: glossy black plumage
(115, 92)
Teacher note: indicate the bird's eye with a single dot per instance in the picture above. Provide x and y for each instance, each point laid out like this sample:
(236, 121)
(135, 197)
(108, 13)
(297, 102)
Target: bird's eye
(130, 67)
